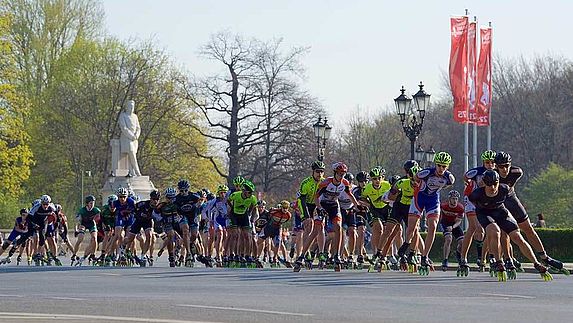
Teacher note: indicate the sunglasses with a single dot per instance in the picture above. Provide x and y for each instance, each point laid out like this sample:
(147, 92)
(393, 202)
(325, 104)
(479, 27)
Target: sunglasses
(45, 203)
(503, 166)
(441, 166)
(319, 171)
(122, 197)
(376, 178)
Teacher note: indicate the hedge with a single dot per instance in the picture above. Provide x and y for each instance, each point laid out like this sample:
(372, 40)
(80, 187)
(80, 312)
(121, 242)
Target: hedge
(557, 243)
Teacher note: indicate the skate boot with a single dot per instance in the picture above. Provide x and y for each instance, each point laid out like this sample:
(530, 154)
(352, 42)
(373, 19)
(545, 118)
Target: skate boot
(518, 266)
(142, 261)
(543, 272)
(492, 267)
(37, 259)
(393, 263)
(107, 261)
(500, 270)
(79, 261)
(298, 264)
(412, 264)
(243, 262)
(285, 262)
(445, 265)
(360, 262)
(403, 248)
(5, 261)
(555, 266)
(310, 258)
(61, 253)
(480, 264)
(171, 261)
(337, 263)
(510, 268)
(424, 266)
(189, 261)
(57, 261)
(225, 261)
(403, 263)
(463, 268)
(291, 253)
(180, 261)
(30, 261)
(18, 260)
(160, 252)
(150, 260)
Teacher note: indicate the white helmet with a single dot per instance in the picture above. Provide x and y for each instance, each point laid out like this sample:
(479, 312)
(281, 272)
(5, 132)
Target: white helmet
(122, 191)
(45, 199)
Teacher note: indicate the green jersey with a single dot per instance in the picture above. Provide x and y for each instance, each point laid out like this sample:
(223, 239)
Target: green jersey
(405, 186)
(240, 204)
(374, 195)
(306, 193)
(87, 216)
(107, 216)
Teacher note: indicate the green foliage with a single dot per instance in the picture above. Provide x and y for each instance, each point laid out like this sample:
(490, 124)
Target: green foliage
(15, 155)
(548, 193)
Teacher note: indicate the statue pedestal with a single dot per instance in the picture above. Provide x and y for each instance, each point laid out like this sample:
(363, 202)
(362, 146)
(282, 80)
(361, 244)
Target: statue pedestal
(140, 185)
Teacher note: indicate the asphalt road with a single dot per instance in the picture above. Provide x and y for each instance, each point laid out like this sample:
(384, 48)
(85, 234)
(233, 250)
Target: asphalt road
(163, 294)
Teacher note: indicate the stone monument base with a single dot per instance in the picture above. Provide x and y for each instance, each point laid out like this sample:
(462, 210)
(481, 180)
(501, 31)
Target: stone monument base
(140, 185)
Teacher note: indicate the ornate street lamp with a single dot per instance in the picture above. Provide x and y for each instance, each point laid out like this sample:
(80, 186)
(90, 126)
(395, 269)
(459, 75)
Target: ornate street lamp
(412, 120)
(430, 153)
(322, 131)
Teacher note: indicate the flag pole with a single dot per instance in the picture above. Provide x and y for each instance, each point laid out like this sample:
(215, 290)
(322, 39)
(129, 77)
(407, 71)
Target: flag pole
(489, 126)
(475, 130)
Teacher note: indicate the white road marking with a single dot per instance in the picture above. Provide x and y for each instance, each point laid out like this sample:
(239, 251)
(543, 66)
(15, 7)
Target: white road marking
(67, 298)
(45, 316)
(507, 295)
(244, 310)
(10, 295)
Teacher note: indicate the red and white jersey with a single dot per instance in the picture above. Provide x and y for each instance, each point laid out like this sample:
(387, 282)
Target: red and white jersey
(344, 199)
(450, 214)
(330, 192)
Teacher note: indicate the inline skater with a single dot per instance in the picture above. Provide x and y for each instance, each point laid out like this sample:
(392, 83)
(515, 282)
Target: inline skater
(451, 217)
(241, 205)
(270, 224)
(313, 226)
(401, 193)
(187, 209)
(61, 227)
(473, 180)
(86, 218)
(143, 221)
(107, 217)
(39, 217)
(429, 182)
(494, 217)
(361, 218)
(216, 211)
(297, 230)
(379, 210)
(124, 218)
(166, 213)
(509, 175)
(20, 229)
(348, 221)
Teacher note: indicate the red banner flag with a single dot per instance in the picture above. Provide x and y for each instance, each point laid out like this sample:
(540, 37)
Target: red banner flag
(471, 80)
(459, 67)
(484, 91)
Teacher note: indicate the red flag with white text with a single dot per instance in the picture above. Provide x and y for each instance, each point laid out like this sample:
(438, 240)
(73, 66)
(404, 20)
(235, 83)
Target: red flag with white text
(484, 91)
(459, 67)
(471, 79)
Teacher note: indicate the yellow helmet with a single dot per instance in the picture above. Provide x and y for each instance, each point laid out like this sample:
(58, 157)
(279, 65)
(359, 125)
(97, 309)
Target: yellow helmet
(285, 204)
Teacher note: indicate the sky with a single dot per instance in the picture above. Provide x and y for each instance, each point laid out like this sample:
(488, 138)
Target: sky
(361, 52)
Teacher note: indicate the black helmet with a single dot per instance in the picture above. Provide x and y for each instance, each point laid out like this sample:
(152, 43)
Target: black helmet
(183, 184)
(394, 179)
(409, 164)
(22, 211)
(317, 164)
(362, 176)
(490, 177)
(90, 198)
(349, 177)
(502, 158)
(155, 195)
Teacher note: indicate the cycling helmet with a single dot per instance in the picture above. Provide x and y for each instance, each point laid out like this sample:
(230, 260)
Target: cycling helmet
(201, 194)
(285, 204)
(206, 190)
(362, 176)
(248, 186)
(339, 167)
(222, 188)
(442, 158)
(112, 198)
(22, 211)
(317, 164)
(409, 164)
(502, 158)
(183, 184)
(488, 155)
(454, 193)
(239, 180)
(261, 203)
(155, 195)
(170, 193)
(414, 170)
(377, 172)
(45, 199)
(90, 198)
(490, 177)
(58, 208)
(210, 196)
(394, 179)
(122, 191)
(349, 177)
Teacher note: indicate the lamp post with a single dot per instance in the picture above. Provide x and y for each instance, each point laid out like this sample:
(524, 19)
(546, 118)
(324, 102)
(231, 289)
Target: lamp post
(430, 153)
(322, 132)
(89, 174)
(412, 120)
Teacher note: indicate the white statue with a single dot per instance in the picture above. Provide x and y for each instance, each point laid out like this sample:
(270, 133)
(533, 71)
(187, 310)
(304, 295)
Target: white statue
(130, 131)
